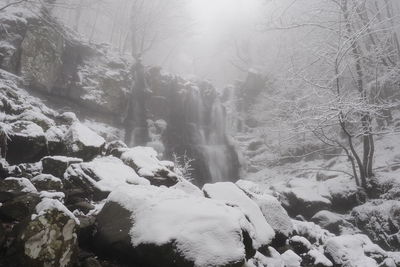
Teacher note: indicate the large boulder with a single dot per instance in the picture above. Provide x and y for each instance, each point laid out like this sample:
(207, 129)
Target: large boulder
(234, 196)
(47, 239)
(304, 197)
(333, 222)
(27, 143)
(99, 177)
(82, 142)
(380, 220)
(145, 162)
(139, 222)
(57, 165)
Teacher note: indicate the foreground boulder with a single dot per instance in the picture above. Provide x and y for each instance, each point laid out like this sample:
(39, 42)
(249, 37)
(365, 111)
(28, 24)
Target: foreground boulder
(145, 162)
(47, 239)
(139, 222)
(232, 195)
(27, 143)
(82, 142)
(380, 220)
(333, 222)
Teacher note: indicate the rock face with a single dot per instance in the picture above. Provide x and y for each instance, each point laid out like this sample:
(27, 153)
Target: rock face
(182, 230)
(102, 81)
(57, 165)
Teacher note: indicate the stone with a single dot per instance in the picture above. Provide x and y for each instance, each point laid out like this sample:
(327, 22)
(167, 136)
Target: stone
(27, 143)
(57, 165)
(19, 207)
(47, 182)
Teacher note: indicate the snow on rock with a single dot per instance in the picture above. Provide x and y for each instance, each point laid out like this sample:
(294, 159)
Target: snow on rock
(380, 220)
(145, 162)
(60, 196)
(52, 204)
(104, 174)
(20, 184)
(304, 196)
(47, 182)
(300, 244)
(188, 188)
(291, 259)
(181, 229)
(27, 143)
(319, 259)
(344, 193)
(57, 165)
(333, 222)
(259, 260)
(314, 233)
(232, 195)
(82, 142)
(271, 208)
(353, 251)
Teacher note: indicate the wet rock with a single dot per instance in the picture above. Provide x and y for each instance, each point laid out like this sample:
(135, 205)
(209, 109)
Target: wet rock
(47, 182)
(27, 143)
(57, 165)
(82, 142)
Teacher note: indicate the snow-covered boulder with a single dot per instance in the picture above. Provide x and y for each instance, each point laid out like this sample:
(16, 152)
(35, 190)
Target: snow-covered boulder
(101, 176)
(304, 197)
(344, 194)
(299, 244)
(316, 258)
(49, 238)
(312, 232)
(234, 196)
(82, 142)
(333, 222)
(145, 162)
(139, 222)
(47, 182)
(272, 210)
(380, 220)
(57, 165)
(27, 143)
(291, 259)
(354, 251)
(12, 184)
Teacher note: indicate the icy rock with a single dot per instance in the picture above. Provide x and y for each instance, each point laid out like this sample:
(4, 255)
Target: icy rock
(47, 182)
(101, 176)
(317, 259)
(138, 222)
(234, 196)
(57, 165)
(115, 148)
(145, 162)
(27, 143)
(353, 251)
(272, 210)
(82, 142)
(380, 220)
(37, 117)
(49, 238)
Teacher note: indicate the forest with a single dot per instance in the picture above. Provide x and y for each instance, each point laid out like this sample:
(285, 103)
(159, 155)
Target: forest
(200, 133)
